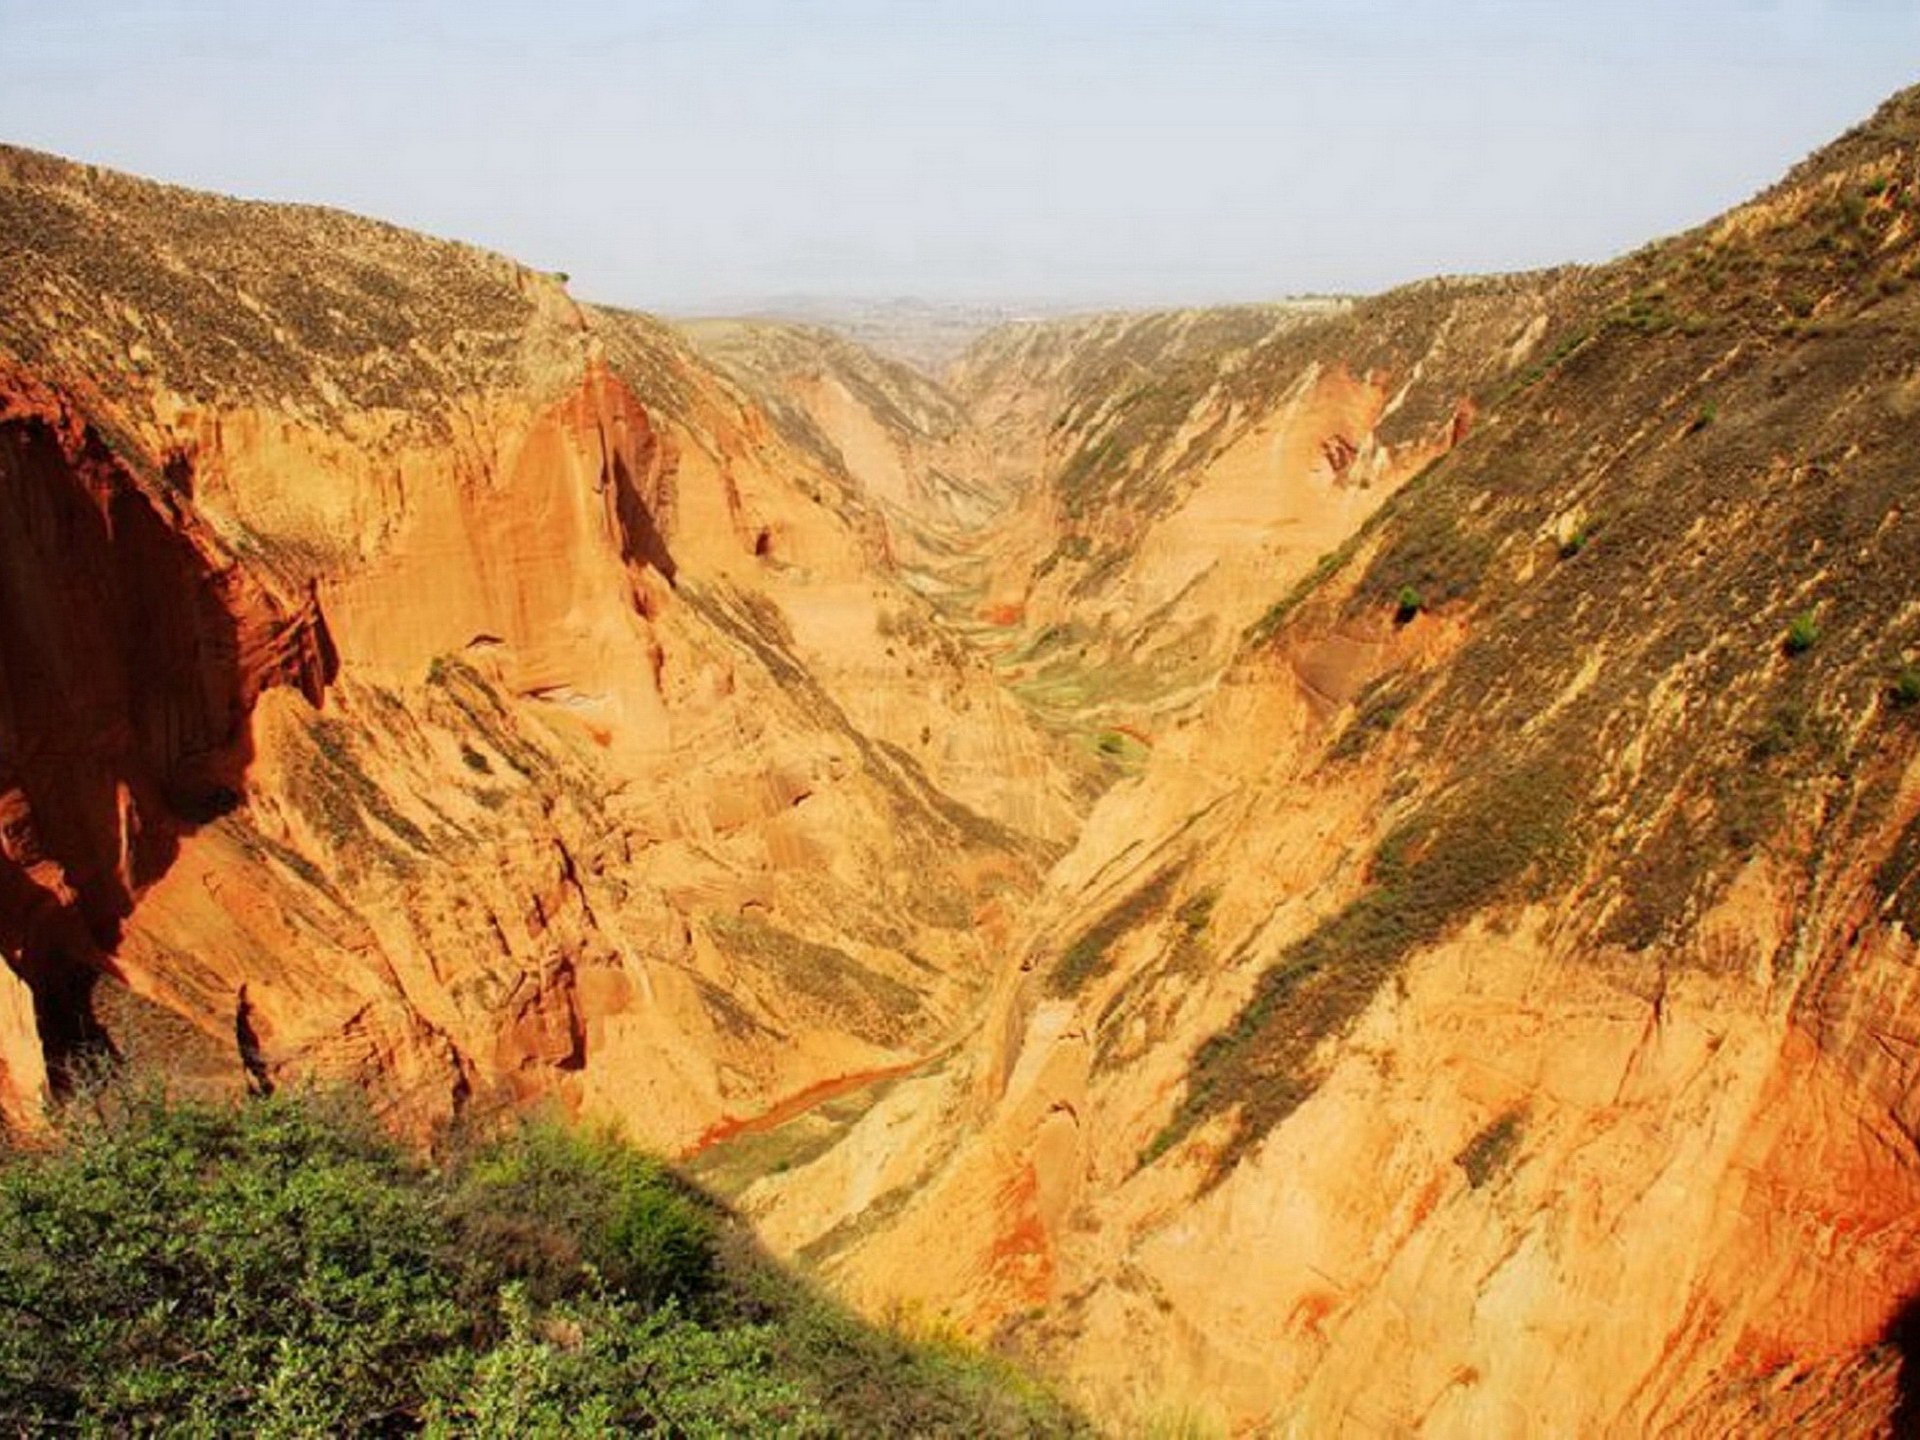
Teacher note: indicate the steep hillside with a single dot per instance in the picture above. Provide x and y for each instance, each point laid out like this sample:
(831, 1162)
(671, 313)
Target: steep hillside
(1181, 465)
(1494, 1010)
(901, 434)
(408, 675)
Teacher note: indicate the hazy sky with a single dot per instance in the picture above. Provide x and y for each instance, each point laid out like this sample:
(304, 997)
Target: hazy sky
(674, 155)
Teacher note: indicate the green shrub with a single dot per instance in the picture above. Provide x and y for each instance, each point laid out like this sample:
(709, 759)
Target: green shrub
(1905, 690)
(1407, 604)
(596, 1368)
(1803, 633)
(549, 1201)
(263, 1267)
(276, 1267)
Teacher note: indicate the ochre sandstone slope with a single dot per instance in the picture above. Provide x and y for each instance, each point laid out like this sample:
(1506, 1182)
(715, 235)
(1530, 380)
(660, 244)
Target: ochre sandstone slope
(1330, 868)
(1492, 1007)
(1104, 503)
(410, 675)
(1188, 462)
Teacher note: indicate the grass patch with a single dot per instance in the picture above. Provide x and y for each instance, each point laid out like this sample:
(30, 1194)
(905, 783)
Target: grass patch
(332, 789)
(1433, 556)
(1376, 710)
(869, 1004)
(483, 708)
(1675, 870)
(1488, 1155)
(1119, 751)
(1897, 879)
(1088, 956)
(1506, 836)
(1140, 1012)
(1563, 350)
(1196, 914)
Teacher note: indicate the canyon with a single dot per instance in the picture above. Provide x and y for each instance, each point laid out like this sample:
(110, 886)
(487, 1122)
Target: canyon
(1338, 866)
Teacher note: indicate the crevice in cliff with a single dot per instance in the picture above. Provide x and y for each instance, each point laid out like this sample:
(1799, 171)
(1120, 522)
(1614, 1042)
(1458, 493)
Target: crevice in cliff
(1903, 1334)
(246, 1037)
(63, 981)
(639, 532)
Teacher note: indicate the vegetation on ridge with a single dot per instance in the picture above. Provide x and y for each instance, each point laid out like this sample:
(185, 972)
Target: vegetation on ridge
(278, 1267)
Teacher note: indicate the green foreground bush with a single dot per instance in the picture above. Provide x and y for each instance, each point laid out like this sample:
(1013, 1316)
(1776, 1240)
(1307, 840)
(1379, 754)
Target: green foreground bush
(278, 1267)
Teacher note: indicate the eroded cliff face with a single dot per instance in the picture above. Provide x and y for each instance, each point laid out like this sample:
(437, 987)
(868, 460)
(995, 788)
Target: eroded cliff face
(1312, 868)
(135, 652)
(908, 453)
(413, 677)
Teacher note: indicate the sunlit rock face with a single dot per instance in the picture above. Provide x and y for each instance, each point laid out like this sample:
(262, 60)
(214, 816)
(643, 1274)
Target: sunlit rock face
(416, 678)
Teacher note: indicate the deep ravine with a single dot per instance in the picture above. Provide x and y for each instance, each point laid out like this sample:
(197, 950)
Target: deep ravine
(1304, 867)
